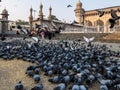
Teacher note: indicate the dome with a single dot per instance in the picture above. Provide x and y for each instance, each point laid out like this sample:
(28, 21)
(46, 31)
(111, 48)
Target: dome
(50, 8)
(4, 11)
(79, 3)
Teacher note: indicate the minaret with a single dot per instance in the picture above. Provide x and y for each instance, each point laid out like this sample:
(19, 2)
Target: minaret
(50, 14)
(79, 13)
(4, 21)
(5, 14)
(41, 14)
(31, 18)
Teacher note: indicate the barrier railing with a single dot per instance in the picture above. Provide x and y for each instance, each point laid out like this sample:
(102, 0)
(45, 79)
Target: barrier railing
(91, 29)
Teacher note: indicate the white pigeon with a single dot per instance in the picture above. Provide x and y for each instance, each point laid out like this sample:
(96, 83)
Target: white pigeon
(35, 39)
(88, 40)
(53, 24)
(25, 31)
(8, 46)
(29, 45)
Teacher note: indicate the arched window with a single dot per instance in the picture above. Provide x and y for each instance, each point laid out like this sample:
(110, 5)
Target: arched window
(88, 23)
(99, 23)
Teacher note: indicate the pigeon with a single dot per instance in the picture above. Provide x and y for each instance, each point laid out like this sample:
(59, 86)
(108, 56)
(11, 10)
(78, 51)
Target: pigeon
(113, 13)
(74, 22)
(61, 86)
(37, 26)
(36, 78)
(69, 6)
(75, 87)
(3, 37)
(101, 12)
(54, 26)
(18, 27)
(112, 23)
(38, 87)
(114, 18)
(88, 40)
(103, 87)
(35, 39)
(19, 86)
(24, 31)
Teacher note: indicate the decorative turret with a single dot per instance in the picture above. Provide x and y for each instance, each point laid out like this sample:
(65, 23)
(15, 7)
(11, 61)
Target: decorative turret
(5, 14)
(41, 13)
(31, 18)
(79, 4)
(4, 22)
(79, 13)
(50, 14)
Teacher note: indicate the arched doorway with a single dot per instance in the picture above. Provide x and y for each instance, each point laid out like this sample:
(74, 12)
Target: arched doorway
(88, 23)
(100, 25)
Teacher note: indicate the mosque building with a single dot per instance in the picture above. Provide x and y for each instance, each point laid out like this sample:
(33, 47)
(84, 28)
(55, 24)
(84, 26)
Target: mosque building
(84, 18)
(91, 17)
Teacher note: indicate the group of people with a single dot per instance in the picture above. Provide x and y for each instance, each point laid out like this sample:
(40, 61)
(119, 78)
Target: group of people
(46, 32)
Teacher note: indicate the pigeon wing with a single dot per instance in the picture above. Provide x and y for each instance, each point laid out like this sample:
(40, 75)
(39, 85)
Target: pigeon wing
(101, 12)
(35, 39)
(112, 23)
(53, 24)
(24, 31)
(86, 39)
(69, 5)
(113, 14)
(91, 39)
(29, 45)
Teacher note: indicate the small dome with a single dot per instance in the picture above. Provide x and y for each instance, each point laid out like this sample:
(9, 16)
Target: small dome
(4, 11)
(41, 6)
(50, 8)
(31, 9)
(79, 3)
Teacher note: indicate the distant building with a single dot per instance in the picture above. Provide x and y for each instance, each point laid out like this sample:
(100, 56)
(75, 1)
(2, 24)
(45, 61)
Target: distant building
(87, 20)
(12, 27)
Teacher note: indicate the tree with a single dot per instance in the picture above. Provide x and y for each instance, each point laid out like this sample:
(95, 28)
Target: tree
(22, 22)
(54, 17)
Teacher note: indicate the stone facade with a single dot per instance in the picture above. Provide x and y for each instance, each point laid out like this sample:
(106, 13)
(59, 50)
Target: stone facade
(89, 20)
(91, 17)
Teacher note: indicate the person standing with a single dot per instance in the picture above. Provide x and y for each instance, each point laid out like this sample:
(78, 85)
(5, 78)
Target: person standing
(43, 34)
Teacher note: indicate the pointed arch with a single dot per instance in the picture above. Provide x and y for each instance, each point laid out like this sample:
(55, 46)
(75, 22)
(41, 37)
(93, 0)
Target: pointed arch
(88, 23)
(99, 23)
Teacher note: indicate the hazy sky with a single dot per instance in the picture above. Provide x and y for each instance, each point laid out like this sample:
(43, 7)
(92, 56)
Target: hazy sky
(19, 9)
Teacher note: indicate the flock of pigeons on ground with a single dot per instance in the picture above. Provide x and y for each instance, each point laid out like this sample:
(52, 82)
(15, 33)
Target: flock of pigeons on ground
(71, 64)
